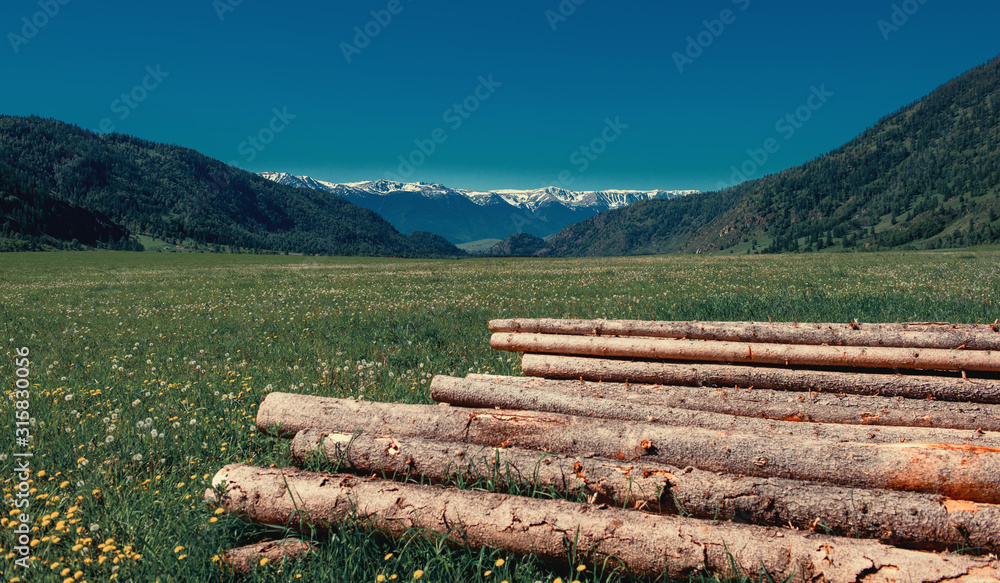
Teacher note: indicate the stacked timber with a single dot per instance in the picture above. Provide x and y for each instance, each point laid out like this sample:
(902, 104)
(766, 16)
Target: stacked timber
(818, 452)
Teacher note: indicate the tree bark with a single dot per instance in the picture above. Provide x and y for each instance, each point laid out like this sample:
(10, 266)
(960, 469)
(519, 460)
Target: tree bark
(968, 336)
(476, 390)
(965, 472)
(600, 480)
(243, 559)
(644, 544)
(781, 354)
(914, 520)
(855, 383)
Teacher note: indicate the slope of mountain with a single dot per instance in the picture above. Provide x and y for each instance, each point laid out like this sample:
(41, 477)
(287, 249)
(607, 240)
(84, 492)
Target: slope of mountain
(517, 245)
(462, 216)
(924, 177)
(59, 182)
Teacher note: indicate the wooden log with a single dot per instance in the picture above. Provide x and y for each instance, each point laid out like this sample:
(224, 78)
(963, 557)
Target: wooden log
(780, 354)
(915, 335)
(600, 480)
(914, 520)
(645, 544)
(765, 403)
(719, 375)
(525, 397)
(964, 472)
(242, 559)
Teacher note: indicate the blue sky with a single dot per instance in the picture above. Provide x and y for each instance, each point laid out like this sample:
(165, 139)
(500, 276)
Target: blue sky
(584, 94)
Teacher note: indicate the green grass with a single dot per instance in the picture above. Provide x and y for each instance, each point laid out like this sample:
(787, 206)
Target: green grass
(193, 342)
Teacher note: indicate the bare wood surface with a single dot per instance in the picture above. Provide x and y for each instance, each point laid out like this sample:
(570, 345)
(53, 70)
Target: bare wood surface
(600, 480)
(528, 396)
(753, 353)
(818, 407)
(965, 472)
(243, 559)
(666, 373)
(912, 335)
(908, 519)
(644, 544)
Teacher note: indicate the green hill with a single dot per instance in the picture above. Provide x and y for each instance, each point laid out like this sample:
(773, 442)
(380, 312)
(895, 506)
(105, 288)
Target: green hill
(63, 187)
(924, 177)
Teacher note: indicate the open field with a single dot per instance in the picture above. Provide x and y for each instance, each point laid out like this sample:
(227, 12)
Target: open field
(146, 369)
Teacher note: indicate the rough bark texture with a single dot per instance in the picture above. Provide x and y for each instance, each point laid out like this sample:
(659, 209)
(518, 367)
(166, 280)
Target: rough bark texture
(600, 480)
(854, 383)
(965, 472)
(753, 353)
(916, 335)
(909, 519)
(487, 394)
(645, 544)
(476, 391)
(243, 559)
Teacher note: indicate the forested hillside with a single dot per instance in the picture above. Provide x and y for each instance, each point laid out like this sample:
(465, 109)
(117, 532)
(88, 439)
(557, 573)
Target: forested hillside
(924, 177)
(62, 186)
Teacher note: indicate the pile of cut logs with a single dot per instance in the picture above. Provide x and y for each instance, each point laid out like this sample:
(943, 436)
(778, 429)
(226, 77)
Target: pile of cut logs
(819, 452)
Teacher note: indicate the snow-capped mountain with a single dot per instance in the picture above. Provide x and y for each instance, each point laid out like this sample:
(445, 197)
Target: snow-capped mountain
(466, 215)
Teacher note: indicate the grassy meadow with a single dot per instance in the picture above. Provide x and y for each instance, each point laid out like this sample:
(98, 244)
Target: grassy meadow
(146, 370)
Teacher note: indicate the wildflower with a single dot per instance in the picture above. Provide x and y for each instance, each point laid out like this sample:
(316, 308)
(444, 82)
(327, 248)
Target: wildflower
(137, 457)
(581, 568)
(418, 573)
(499, 563)
(263, 561)
(387, 557)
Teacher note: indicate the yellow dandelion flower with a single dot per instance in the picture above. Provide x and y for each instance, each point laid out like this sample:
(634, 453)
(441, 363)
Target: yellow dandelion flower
(178, 548)
(219, 510)
(182, 557)
(581, 568)
(263, 561)
(499, 563)
(180, 485)
(389, 556)
(487, 573)
(418, 573)
(213, 519)
(380, 579)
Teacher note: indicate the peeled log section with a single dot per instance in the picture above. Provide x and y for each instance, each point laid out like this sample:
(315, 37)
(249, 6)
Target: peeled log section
(528, 397)
(245, 558)
(644, 544)
(903, 518)
(964, 472)
(807, 407)
(783, 354)
(916, 335)
(600, 480)
(913, 386)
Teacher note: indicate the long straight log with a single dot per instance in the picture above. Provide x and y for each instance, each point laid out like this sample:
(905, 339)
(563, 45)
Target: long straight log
(765, 403)
(908, 519)
(917, 335)
(965, 472)
(665, 373)
(487, 394)
(599, 480)
(644, 544)
(781, 354)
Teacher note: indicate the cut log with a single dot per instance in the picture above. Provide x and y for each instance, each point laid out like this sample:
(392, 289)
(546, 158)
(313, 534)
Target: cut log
(780, 354)
(965, 472)
(525, 397)
(600, 480)
(745, 402)
(644, 544)
(720, 375)
(914, 520)
(243, 559)
(967, 336)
